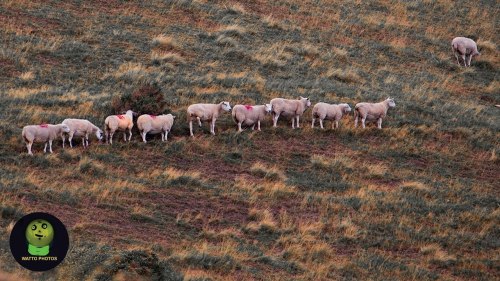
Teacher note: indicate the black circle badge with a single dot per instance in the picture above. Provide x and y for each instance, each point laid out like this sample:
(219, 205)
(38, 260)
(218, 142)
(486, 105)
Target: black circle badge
(39, 241)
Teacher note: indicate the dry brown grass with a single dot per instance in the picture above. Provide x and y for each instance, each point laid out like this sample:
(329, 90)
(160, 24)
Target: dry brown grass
(167, 57)
(347, 75)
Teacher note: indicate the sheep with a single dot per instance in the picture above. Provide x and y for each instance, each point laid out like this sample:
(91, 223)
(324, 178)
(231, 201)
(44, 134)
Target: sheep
(81, 128)
(372, 111)
(161, 124)
(289, 108)
(205, 112)
(250, 114)
(121, 122)
(464, 47)
(43, 133)
(325, 111)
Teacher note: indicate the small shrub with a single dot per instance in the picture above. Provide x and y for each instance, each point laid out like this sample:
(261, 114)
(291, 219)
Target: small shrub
(147, 99)
(138, 263)
(233, 157)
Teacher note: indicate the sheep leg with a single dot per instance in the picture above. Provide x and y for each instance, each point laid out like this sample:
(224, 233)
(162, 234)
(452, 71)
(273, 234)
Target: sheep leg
(468, 62)
(106, 137)
(258, 125)
(130, 134)
(363, 121)
(312, 124)
(336, 124)
(298, 123)
(355, 119)
(456, 56)
(70, 139)
(321, 123)
(191, 128)
(143, 135)
(212, 129)
(379, 123)
(28, 145)
(199, 121)
(63, 139)
(50, 146)
(125, 136)
(239, 127)
(162, 136)
(253, 127)
(275, 119)
(45, 148)
(166, 135)
(111, 133)
(293, 123)
(465, 62)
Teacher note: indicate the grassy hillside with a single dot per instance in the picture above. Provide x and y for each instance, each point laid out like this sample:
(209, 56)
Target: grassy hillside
(418, 200)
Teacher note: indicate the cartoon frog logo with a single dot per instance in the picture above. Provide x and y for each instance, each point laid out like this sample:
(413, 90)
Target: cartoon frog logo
(39, 235)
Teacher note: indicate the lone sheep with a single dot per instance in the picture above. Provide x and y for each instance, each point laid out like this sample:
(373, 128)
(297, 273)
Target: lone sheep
(333, 112)
(81, 128)
(372, 111)
(43, 133)
(465, 47)
(250, 114)
(161, 124)
(205, 112)
(289, 108)
(115, 123)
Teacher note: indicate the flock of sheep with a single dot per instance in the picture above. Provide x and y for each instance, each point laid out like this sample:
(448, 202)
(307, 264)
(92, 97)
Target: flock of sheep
(247, 115)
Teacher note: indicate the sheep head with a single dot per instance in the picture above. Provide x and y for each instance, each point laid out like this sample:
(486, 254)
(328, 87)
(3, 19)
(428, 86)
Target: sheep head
(306, 101)
(225, 106)
(268, 108)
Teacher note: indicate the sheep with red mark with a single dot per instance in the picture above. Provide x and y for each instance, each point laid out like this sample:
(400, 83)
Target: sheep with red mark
(249, 115)
(43, 133)
(152, 124)
(122, 122)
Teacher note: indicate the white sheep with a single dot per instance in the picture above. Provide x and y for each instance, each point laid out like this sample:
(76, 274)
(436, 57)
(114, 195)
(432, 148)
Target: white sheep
(372, 111)
(81, 128)
(326, 111)
(152, 124)
(206, 112)
(43, 133)
(121, 122)
(465, 47)
(250, 114)
(289, 108)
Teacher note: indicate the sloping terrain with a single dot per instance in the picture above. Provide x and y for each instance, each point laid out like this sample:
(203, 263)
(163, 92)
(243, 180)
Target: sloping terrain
(417, 200)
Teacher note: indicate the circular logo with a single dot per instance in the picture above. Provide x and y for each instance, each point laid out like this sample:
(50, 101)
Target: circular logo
(39, 241)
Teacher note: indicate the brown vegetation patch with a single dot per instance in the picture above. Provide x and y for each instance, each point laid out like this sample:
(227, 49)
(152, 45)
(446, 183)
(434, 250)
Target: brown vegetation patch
(174, 201)
(8, 68)
(47, 59)
(24, 20)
